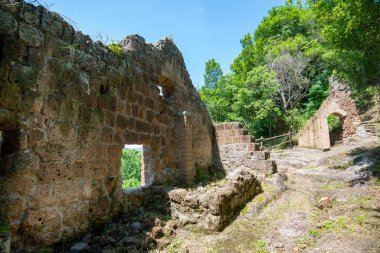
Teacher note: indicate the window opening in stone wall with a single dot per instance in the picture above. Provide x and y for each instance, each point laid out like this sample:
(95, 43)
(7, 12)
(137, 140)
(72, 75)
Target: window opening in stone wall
(166, 86)
(103, 89)
(132, 166)
(335, 129)
(8, 142)
(161, 91)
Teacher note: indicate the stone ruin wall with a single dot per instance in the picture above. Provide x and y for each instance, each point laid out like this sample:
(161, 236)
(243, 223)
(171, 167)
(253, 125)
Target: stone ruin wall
(67, 108)
(245, 167)
(315, 133)
(237, 149)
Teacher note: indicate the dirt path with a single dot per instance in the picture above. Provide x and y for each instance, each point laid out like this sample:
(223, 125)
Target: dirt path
(348, 219)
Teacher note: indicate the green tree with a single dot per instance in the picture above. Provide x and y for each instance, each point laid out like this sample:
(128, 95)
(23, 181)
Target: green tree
(280, 77)
(131, 168)
(350, 32)
(219, 99)
(212, 74)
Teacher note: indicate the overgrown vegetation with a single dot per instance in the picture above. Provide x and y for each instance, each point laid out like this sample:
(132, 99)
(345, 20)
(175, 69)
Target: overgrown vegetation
(131, 168)
(280, 78)
(115, 48)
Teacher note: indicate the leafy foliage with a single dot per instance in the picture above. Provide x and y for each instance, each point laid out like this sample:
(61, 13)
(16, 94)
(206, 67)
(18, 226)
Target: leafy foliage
(280, 78)
(131, 168)
(333, 122)
(350, 31)
(213, 73)
(115, 48)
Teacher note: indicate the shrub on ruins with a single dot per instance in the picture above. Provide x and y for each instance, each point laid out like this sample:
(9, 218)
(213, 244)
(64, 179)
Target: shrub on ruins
(131, 168)
(115, 48)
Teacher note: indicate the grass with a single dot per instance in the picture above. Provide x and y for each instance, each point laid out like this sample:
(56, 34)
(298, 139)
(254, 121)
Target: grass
(361, 219)
(313, 232)
(260, 198)
(260, 247)
(3, 228)
(334, 185)
(305, 241)
(244, 210)
(175, 246)
(267, 187)
(363, 201)
(339, 224)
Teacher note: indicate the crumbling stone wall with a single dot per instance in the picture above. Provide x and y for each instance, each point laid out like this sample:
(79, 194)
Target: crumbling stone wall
(237, 148)
(68, 106)
(212, 208)
(315, 133)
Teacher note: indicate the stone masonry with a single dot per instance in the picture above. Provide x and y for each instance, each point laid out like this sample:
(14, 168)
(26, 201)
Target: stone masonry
(213, 208)
(315, 133)
(68, 106)
(237, 148)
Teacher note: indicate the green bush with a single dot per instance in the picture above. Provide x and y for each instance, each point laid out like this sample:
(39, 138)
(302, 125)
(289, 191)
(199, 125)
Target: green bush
(334, 122)
(115, 48)
(131, 168)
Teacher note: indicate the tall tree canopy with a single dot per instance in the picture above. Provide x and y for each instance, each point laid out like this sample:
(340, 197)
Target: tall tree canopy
(280, 78)
(212, 74)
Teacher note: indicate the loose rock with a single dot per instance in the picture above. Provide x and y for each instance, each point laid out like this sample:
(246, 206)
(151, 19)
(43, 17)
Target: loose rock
(79, 247)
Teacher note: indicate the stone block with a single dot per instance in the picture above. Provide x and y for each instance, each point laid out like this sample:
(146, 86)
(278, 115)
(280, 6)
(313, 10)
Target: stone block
(99, 207)
(16, 208)
(97, 169)
(88, 133)
(74, 213)
(86, 114)
(42, 226)
(43, 196)
(232, 125)
(260, 155)
(177, 195)
(122, 122)
(214, 208)
(106, 135)
(8, 25)
(67, 191)
(24, 76)
(10, 96)
(219, 127)
(30, 35)
(23, 162)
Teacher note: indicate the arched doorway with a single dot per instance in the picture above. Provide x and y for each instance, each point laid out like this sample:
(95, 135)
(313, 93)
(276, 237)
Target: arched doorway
(335, 124)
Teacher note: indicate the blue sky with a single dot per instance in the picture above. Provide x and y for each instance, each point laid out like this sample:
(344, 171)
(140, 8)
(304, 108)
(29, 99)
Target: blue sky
(201, 29)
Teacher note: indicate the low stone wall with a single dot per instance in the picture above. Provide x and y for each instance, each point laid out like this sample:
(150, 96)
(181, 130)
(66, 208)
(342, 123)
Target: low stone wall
(135, 198)
(213, 208)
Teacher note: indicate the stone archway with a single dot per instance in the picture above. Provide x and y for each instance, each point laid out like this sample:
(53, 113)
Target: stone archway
(335, 123)
(315, 133)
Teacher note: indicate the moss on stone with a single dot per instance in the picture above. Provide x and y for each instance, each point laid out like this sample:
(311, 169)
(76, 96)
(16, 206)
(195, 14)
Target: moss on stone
(4, 228)
(10, 96)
